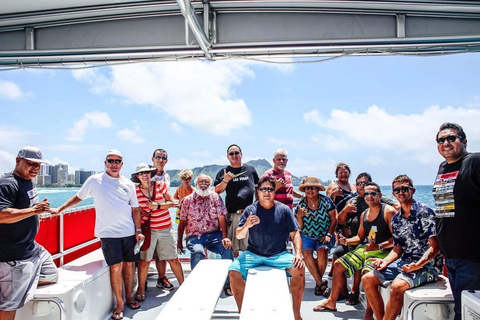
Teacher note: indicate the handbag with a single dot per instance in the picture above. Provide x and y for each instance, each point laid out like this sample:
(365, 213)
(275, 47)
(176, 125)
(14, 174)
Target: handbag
(146, 231)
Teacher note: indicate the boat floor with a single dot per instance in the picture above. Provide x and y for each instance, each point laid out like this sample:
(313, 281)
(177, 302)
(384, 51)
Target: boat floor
(226, 308)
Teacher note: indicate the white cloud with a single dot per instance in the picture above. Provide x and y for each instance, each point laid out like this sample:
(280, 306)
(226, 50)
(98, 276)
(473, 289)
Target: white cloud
(97, 81)
(12, 137)
(7, 162)
(376, 131)
(10, 90)
(130, 136)
(89, 120)
(175, 127)
(275, 141)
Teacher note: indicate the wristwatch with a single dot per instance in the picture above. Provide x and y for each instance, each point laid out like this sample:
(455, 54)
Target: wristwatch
(380, 246)
(138, 230)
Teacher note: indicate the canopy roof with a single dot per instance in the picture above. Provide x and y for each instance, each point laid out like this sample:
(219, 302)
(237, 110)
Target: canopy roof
(107, 31)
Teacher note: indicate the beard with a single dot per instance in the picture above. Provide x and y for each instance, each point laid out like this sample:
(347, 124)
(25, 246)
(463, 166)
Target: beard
(203, 193)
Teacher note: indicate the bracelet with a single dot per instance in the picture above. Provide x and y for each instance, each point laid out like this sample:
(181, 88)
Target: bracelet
(226, 182)
(158, 206)
(330, 235)
(138, 230)
(380, 246)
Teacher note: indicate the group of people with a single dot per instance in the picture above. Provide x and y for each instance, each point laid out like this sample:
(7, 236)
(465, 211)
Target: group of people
(378, 240)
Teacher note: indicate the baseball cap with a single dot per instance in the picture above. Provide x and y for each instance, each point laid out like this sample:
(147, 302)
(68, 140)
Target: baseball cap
(114, 152)
(31, 153)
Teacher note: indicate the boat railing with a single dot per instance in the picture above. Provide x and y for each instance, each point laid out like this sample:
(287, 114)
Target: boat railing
(69, 234)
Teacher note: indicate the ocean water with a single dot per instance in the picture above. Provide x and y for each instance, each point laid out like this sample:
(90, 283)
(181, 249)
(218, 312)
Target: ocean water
(57, 196)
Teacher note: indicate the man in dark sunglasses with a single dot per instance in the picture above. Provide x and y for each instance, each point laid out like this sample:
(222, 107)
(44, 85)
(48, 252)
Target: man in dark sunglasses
(375, 227)
(238, 180)
(117, 224)
(457, 197)
(268, 224)
(159, 160)
(415, 247)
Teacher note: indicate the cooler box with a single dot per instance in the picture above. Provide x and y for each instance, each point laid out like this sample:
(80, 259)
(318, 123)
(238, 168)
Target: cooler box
(470, 304)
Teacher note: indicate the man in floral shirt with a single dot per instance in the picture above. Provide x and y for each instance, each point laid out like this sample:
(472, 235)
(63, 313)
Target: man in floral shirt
(202, 216)
(415, 243)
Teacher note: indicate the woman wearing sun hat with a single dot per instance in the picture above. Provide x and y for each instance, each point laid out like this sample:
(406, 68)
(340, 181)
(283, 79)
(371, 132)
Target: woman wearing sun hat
(154, 200)
(317, 216)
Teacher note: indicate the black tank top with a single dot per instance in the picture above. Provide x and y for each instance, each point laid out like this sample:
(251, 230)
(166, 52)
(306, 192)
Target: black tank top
(378, 229)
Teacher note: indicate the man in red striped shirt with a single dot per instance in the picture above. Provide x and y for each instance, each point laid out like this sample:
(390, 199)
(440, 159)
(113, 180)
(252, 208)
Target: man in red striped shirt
(284, 191)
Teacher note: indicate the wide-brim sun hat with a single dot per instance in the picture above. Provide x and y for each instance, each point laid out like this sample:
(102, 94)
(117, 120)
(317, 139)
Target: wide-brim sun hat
(311, 182)
(143, 167)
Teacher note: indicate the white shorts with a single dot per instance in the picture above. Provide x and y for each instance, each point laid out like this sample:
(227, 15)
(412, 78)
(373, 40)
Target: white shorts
(19, 279)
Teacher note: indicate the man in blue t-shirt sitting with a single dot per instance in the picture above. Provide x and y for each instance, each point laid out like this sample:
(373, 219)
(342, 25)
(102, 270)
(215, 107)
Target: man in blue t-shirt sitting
(268, 225)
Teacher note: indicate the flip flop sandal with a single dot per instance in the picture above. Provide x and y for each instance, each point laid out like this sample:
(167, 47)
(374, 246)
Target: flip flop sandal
(228, 291)
(352, 299)
(320, 289)
(117, 314)
(133, 305)
(140, 297)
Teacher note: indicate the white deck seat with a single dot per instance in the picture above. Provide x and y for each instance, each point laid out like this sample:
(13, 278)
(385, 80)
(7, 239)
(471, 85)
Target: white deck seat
(197, 296)
(81, 284)
(266, 295)
(429, 301)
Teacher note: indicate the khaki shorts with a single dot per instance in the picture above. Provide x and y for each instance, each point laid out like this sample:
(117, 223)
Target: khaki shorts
(234, 219)
(162, 244)
(19, 279)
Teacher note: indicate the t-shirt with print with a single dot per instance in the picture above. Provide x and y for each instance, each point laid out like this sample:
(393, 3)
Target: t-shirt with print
(412, 233)
(457, 197)
(18, 239)
(159, 218)
(270, 236)
(240, 190)
(316, 223)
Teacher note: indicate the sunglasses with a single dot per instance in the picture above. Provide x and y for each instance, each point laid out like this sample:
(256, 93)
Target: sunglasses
(370, 194)
(401, 189)
(32, 163)
(117, 161)
(450, 139)
(362, 183)
(310, 188)
(233, 153)
(265, 190)
(143, 172)
(160, 158)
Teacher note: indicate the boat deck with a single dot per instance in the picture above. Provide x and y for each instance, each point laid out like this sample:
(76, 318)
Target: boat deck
(156, 299)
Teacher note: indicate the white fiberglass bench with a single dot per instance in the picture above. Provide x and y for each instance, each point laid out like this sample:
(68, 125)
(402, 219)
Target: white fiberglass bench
(431, 301)
(267, 295)
(197, 297)
(83, 291)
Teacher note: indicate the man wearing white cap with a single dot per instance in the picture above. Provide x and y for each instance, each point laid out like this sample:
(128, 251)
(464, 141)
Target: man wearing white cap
(24, 263)
(117, 224)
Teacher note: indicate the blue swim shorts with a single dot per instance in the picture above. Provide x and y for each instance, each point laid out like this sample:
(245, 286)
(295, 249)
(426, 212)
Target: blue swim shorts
(247, 260)
(414, 279)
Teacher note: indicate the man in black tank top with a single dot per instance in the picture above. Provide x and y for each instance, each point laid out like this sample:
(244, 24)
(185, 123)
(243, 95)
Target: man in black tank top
(375, 225)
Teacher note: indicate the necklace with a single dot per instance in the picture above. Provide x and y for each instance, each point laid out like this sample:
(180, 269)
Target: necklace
(148, 191)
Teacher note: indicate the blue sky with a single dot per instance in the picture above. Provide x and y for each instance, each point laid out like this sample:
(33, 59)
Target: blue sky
(378, 114)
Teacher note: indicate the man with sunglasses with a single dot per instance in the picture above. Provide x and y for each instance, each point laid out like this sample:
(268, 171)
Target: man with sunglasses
(24, 263)
(375, 226)
(284, 188)
(202, 216)
(457, 197)
(159, 160)
(238, 180)
(269, 224)
(349, 222)
(415, 246)
(117, 224)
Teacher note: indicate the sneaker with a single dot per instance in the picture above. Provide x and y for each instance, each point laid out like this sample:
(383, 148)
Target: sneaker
(164, 283)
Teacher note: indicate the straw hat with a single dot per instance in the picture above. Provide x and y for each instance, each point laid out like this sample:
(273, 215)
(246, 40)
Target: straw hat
(143, 167)
(311, 182)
